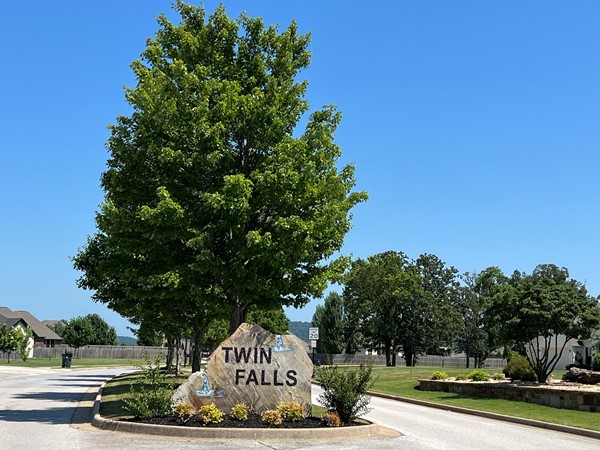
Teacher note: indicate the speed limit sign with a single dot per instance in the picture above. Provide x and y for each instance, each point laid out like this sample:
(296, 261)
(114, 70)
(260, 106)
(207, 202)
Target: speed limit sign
(313, 333)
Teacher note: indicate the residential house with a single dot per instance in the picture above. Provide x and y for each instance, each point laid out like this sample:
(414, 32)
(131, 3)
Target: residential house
(42, 335)
(576, 351)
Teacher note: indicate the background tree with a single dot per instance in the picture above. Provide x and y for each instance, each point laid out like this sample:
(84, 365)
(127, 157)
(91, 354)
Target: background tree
(9, 339)
(385, 295)
(472, 338)
(87, 330)
(440, 284)
(329, 318)
(273, 320)
(104, 334)
(212, 204)
(353, 337)
(542, 312)
(399, 304)
(148, 336)
(78, 332)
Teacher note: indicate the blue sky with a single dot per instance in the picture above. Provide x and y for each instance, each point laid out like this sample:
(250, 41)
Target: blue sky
(474, 127)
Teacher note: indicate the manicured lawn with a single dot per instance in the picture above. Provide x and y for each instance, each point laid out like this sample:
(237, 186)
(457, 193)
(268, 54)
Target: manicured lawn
(403, 382)
(75, 362)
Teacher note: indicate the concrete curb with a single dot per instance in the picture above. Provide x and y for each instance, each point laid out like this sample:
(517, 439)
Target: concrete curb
(518, 420)
(344, 433)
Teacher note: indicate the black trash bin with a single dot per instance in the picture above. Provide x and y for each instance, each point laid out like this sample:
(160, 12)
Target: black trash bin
(66, 359)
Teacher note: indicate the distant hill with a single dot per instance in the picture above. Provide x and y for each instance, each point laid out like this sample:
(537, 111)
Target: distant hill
(126, 340)
(300, 329)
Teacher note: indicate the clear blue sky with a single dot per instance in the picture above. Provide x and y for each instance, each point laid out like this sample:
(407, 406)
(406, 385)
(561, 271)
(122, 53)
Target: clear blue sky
(474, 127)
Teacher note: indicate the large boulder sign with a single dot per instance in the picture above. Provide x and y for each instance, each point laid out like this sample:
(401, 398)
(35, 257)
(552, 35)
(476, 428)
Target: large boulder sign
(255, 367)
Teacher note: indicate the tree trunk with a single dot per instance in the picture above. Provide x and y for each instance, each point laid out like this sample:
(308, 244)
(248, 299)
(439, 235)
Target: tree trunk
(197, 350)
(467, 364)
(177, 356)
(238, 316)
(170, 353)
(394, 357)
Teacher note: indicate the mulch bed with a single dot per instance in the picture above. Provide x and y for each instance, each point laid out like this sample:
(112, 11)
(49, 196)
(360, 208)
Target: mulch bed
(254, 421)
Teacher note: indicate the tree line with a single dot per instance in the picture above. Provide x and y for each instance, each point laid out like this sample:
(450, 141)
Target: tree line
(392, 303)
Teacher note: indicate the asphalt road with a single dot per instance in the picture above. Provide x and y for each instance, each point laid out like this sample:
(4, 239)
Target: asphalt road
(38, 411)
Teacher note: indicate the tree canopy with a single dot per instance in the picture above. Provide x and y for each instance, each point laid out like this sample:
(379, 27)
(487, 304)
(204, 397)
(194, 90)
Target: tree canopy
(87, 330)
(329, 318)
(399, 304)
(214, 201)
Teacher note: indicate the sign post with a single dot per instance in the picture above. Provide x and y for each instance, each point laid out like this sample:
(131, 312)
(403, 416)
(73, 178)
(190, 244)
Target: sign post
(313, 335)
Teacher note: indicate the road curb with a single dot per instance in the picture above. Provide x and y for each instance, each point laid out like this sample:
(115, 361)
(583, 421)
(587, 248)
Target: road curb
(343, 433)
(518, 420)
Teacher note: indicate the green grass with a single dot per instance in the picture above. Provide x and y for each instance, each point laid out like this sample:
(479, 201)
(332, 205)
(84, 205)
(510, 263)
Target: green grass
(403, 382)
(76, 363)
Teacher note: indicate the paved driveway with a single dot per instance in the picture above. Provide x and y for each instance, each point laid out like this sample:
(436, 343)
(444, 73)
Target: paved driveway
(37, 411)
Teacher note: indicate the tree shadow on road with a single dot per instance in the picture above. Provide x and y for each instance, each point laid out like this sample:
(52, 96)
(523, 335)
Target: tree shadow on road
(55, 416)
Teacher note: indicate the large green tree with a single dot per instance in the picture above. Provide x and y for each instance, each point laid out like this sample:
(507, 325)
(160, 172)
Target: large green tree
(541, 312)
(473, 335)
(87, 330)
(385, 296)
(214, 201)
(402, 304)
(441, 287)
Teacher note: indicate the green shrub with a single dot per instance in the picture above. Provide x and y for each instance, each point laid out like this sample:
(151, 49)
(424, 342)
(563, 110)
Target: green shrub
(182, 411)
(498, 376)
(152, 396)
(345, 390)
(596, 362)
(439, 375)
(332, 419)
(461, 377)
(272, 417)
(240, 411)
(518, 368)
(291, 411)
(478, 375)
(210, 414)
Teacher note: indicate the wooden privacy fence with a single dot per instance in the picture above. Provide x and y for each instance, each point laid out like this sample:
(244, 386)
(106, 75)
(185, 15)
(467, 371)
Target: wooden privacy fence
(99, 351)
(421, 360)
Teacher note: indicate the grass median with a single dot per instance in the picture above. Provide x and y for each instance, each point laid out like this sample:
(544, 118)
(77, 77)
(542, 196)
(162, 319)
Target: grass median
(403, 382)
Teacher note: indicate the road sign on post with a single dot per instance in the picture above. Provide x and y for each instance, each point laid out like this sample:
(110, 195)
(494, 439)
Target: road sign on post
(313, 335)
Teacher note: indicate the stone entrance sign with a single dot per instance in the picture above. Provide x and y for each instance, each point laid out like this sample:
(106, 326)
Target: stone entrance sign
(252, 366)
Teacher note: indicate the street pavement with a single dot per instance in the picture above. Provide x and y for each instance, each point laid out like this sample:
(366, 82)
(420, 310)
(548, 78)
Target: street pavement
(39, 410)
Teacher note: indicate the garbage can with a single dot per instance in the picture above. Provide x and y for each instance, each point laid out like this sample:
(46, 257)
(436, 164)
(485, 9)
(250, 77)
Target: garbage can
(66, 359)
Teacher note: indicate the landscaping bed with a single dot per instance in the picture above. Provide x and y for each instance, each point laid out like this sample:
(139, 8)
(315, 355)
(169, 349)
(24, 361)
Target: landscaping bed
(555, 394)
(254, 421)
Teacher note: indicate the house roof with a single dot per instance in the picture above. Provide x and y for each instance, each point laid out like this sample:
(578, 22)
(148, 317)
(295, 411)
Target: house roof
(51, 323)
(11, 322)
(38, 328)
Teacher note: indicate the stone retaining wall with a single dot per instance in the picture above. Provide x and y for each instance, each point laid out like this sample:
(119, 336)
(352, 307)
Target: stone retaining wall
(549, 396)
